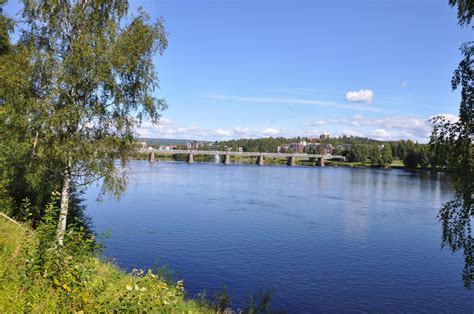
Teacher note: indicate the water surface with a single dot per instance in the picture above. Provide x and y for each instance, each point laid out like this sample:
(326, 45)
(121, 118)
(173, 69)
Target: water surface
(325, 239)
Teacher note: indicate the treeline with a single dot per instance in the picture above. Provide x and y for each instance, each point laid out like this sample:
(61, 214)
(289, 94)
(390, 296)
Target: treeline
(268, 144)
(351, 140)
(362, 149)
(412, 154)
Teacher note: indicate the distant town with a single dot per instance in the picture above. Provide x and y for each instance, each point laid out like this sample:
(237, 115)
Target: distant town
(310, 145)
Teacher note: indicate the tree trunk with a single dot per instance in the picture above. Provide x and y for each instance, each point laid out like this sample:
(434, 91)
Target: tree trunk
(61, 231)
(34, 144)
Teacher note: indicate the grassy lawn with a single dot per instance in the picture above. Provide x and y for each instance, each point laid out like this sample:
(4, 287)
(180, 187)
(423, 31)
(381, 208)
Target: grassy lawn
(398, 163)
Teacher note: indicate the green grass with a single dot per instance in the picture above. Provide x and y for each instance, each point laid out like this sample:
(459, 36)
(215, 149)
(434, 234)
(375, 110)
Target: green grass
(398, 163)
(345, 163)
(88, 285)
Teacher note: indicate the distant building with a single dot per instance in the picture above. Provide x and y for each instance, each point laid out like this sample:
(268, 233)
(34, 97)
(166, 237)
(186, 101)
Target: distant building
(327, 149)
(292, 147)
(283, 148)
(194, 145)
(142, 144)
(312, 147)
(168, 147)
(143, 147)
(297, 147)
(312, 140)
(323, 149)
(324, 136)
(343, 147)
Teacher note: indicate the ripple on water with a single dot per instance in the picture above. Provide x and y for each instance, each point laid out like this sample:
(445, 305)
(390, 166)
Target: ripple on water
(326, 239)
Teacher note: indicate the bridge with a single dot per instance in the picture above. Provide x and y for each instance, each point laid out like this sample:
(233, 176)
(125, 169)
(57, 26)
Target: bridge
(260, 156)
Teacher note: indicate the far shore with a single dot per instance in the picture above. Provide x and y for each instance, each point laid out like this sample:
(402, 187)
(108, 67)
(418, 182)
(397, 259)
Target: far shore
(396, 164)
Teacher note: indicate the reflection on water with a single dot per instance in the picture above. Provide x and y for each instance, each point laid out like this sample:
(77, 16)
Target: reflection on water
(356, 224)
(325, 239)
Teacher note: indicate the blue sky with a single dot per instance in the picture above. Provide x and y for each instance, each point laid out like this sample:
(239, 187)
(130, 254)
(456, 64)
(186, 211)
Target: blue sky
(287, 68)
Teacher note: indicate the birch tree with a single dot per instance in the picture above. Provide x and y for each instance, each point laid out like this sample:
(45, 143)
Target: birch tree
(95, 82)
(452, 142)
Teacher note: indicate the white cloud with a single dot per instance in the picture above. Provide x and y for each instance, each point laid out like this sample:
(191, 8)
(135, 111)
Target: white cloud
(382, 128)
(319, 122)
(241, 130)
(404, 84)
(292, 101)
(303, 91)
(394, 128)
(167, 129)
(380, 134)
(353, 132)
(363, 95)
(270, 131)
(223, 132)
(328, 122)
(311, 133)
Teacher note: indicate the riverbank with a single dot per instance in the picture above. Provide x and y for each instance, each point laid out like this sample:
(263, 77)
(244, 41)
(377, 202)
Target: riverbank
(86, 285)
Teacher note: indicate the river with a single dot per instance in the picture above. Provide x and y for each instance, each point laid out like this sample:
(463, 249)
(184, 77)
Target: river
(324, 239)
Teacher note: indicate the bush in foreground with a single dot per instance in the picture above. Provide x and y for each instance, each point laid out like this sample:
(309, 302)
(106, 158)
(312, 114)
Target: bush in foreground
(37, 276)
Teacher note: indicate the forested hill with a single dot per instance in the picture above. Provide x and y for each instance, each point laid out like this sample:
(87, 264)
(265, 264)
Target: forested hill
(270, 144)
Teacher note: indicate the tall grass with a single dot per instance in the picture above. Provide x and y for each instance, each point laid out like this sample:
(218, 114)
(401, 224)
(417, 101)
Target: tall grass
(36, 276)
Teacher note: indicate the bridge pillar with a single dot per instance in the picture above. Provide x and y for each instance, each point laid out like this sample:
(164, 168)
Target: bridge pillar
(190, 159)
(321, 162)
(226, 159)
(151, 157)
(291, 161)
(260, 160)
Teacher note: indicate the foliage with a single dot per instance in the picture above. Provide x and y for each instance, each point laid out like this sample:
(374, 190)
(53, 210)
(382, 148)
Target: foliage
(22, 175)
(351, 140)
(386, 158)
(452, 147)
(262, 306)
(423, 157)
(374, 155)
(221, 300)
(358, 153)
(411, 158)
(417, 155)
(465, 10)
(270, 144)
(38, 276)
(92, 79)
(6, 26)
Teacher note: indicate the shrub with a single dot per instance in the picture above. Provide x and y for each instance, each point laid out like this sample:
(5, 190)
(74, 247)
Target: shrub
(38, 276)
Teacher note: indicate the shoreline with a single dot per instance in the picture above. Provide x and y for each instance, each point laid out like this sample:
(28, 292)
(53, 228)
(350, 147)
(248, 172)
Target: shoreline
(280, 162)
